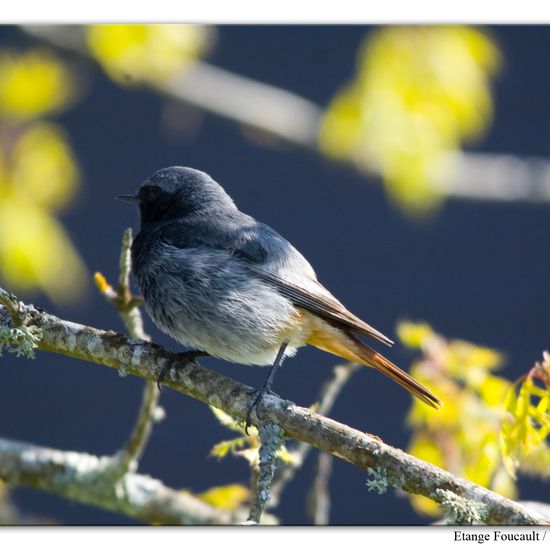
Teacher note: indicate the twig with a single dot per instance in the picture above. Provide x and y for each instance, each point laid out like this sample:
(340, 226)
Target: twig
(392, 466)
(122, 299)
(10, 514)
(13, 306)
(327, 396)
(271, 438)
(126, 304)
(296, 120)
(80, 477)
(318, 503)
(15, 336)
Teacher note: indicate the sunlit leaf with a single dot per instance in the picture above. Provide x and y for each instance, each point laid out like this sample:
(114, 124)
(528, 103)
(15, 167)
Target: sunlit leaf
(526, 426)
(247, 446)
(228, 497)
(419, 93)
(425, 506)
(134, 53)
(286, 456)
(32, 84)
(493, 390)
(42, 167)
(223, 448)
(463, 437)
(38, 176)
(426, 449)
(536, 461)
(413, 335)
(343, 132)
(36, 252)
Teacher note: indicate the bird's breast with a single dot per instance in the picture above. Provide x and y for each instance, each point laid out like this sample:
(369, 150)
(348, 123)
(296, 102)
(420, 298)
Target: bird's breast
(209, 300)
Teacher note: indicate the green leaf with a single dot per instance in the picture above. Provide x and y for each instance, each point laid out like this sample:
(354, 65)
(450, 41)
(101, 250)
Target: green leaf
(221, 449)
(228, 497)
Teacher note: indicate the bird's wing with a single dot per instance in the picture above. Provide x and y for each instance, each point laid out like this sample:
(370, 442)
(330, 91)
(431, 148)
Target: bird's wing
(321, 303)
(272, 258)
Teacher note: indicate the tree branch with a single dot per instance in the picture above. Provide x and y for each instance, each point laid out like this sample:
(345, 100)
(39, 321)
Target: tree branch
(80, 477)
(388, 465)
(296, 120)
(271, 439)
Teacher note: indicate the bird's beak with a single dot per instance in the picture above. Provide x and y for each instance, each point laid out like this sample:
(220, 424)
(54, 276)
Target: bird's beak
(132, 199)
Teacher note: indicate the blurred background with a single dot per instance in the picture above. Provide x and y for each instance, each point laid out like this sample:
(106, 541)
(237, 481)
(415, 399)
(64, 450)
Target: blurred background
(408, 164)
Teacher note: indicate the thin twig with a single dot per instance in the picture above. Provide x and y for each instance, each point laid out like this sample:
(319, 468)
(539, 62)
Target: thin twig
(390, 466)
(327, 396)
(125, 303)
(81, 478)
(318, 502)
(271, 438)
(13, 306)
(10, 514)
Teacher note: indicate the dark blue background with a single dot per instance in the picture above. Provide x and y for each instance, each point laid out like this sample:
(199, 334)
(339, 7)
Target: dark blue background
(475, 271)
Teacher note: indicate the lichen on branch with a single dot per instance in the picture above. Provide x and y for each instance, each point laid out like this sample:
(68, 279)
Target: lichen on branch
(148, 360)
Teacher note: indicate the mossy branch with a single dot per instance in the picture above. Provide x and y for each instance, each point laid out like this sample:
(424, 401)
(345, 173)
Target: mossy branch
(81, 478)
(368, 453)
(272, 438)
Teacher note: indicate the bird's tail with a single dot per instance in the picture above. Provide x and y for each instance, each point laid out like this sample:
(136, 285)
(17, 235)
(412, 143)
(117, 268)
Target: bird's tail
(342, 343)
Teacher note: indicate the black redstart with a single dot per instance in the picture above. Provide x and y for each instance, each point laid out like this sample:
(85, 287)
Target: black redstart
(220, 282)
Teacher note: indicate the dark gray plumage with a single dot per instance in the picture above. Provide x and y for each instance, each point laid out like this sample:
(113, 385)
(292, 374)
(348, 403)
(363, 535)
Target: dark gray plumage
(218, 281)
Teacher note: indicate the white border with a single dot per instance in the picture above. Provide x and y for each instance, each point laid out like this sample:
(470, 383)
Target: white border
(277, 11)
(250, 12)
(266, 538)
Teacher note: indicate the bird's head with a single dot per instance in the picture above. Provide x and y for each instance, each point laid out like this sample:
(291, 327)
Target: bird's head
(176, 192)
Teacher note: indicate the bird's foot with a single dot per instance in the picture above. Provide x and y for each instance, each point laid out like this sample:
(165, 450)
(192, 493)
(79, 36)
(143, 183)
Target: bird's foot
(186, 357)
(255, 400)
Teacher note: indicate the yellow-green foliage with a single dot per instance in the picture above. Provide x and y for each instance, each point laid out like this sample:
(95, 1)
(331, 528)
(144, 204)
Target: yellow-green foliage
(246, 446)
(33, 84)
(38, 177)
(463, 437)
(489, 428)
(227, 497)
(524, 433)
(134, 53)
(418, 94)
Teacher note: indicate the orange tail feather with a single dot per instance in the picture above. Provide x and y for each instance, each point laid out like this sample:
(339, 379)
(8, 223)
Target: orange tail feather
(345, 345)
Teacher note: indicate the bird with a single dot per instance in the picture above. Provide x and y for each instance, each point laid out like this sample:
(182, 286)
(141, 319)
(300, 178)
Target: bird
(223, 284)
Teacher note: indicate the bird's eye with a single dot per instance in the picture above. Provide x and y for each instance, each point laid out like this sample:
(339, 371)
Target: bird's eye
(150, 193)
